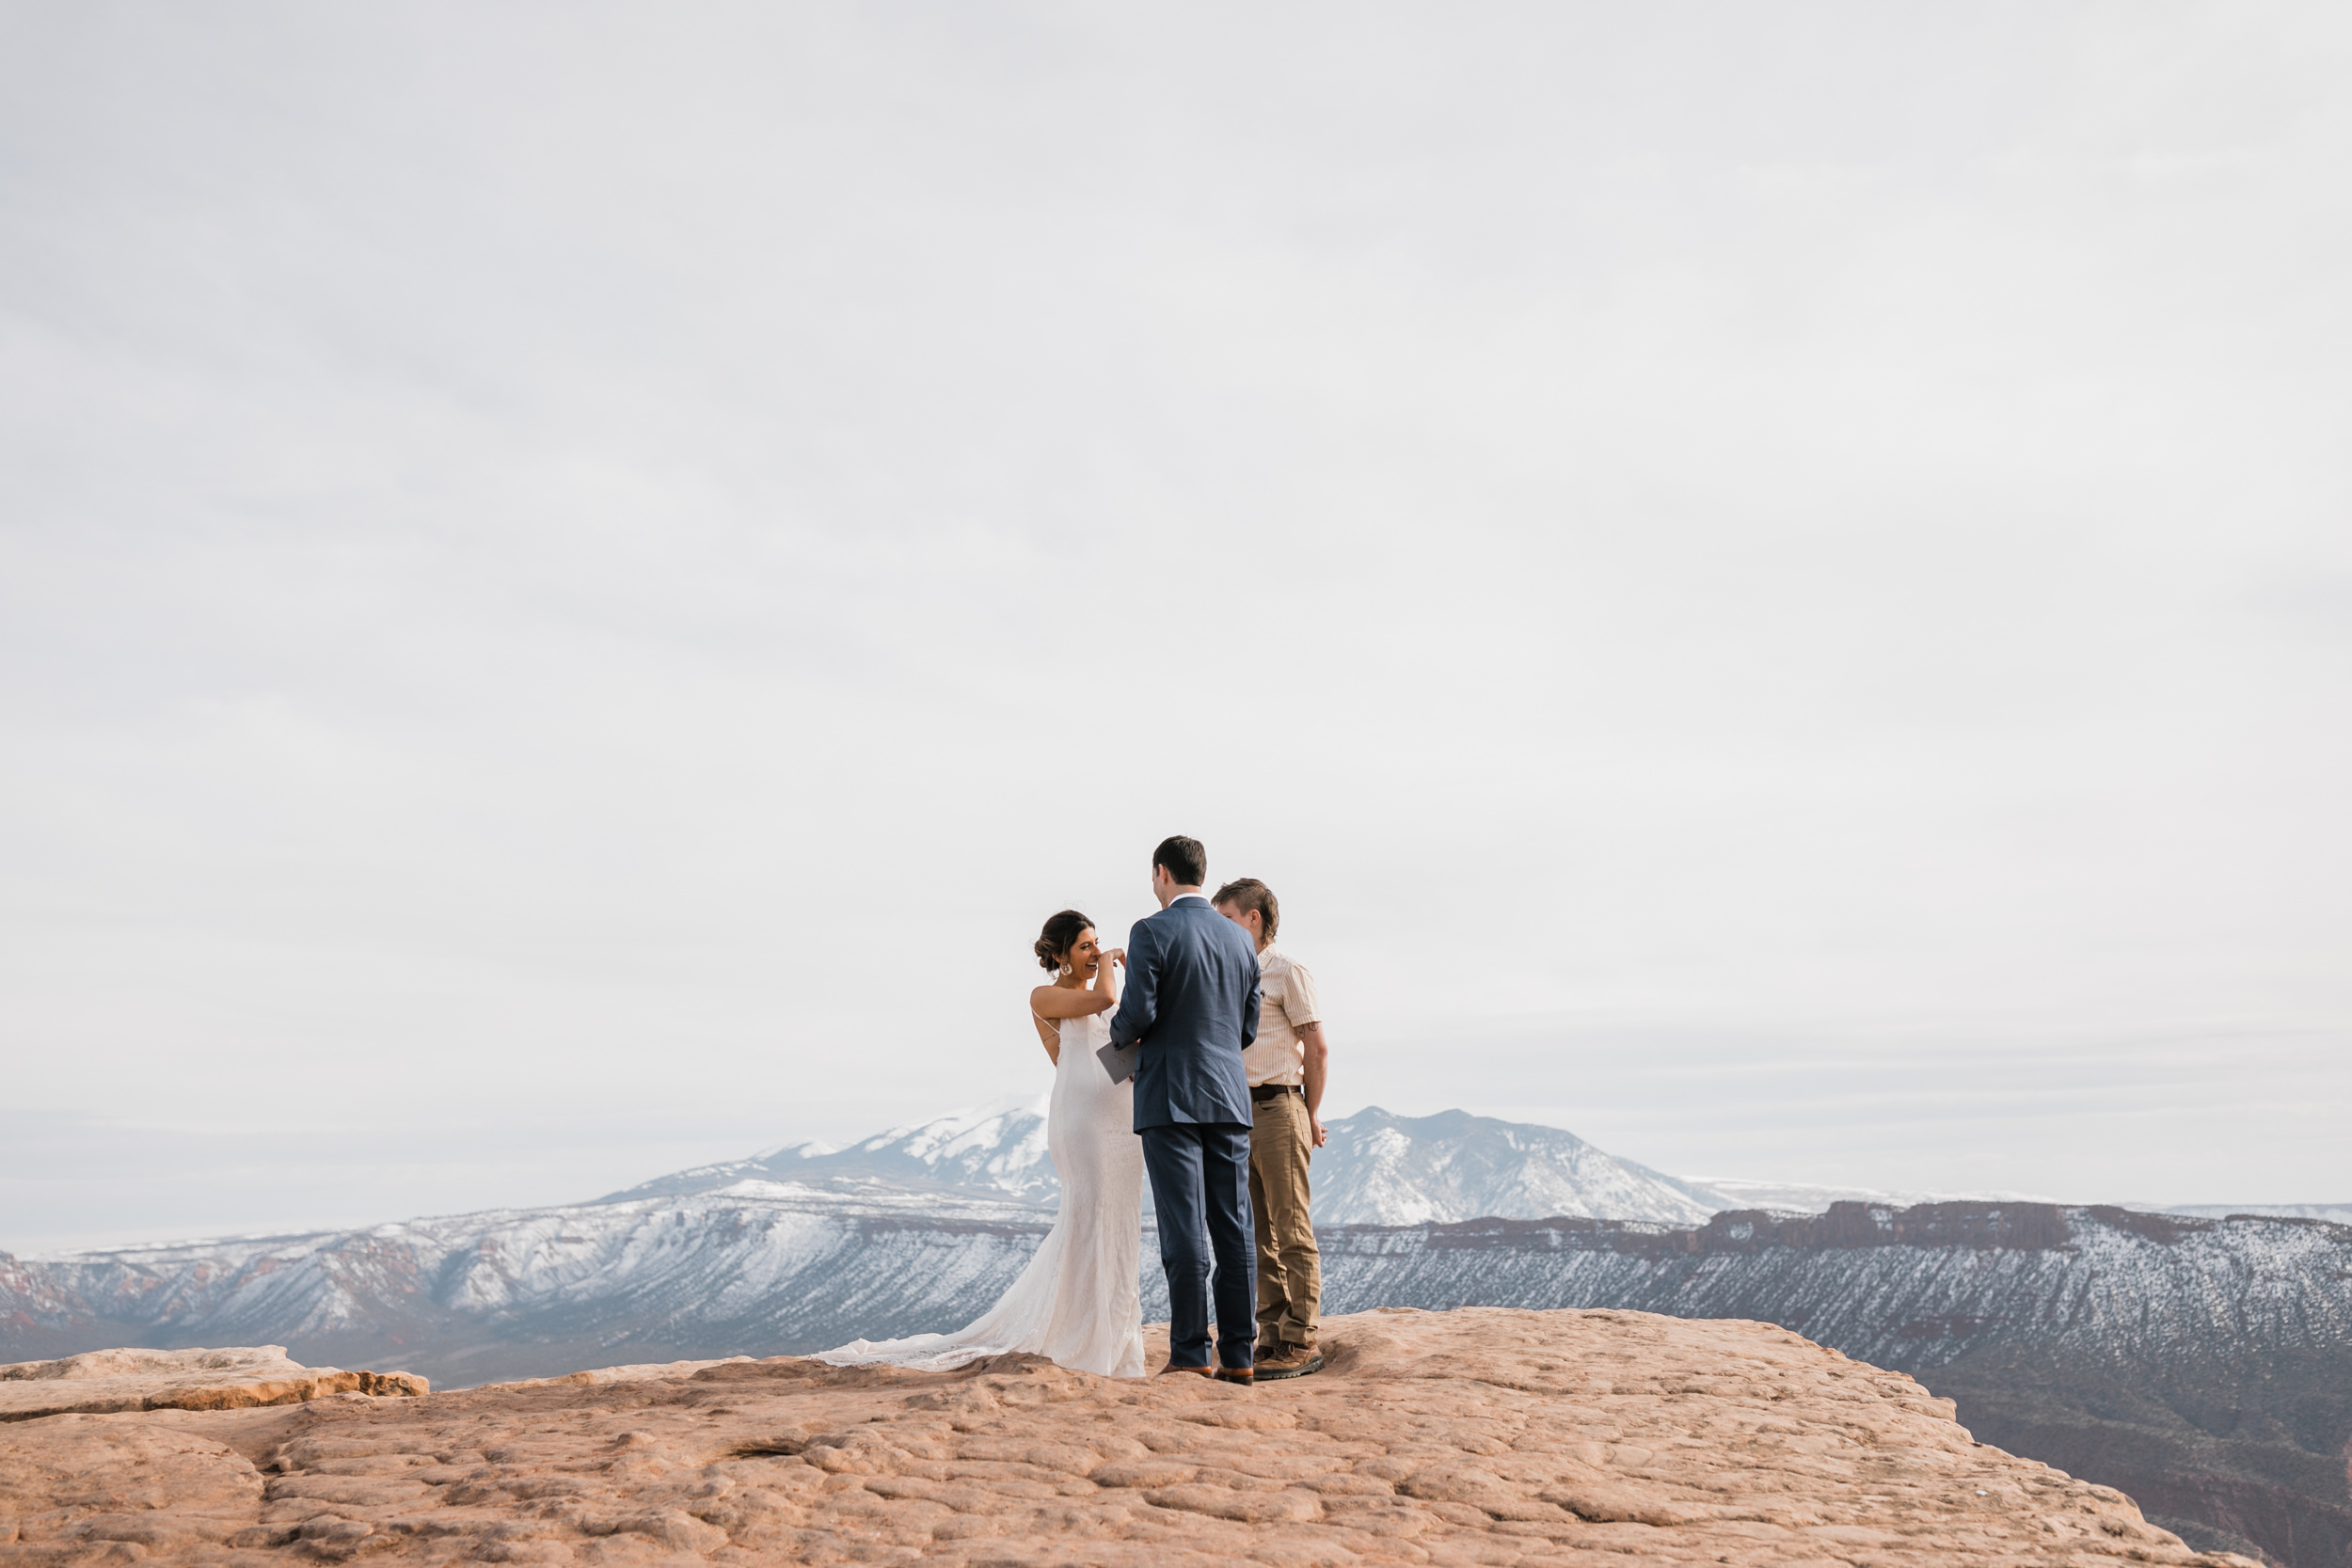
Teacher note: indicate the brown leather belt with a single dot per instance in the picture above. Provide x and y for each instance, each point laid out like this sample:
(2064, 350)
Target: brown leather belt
(1274, 1091)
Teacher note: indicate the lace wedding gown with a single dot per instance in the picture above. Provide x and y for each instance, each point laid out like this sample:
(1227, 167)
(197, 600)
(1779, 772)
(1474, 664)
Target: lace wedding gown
(1076, 1302)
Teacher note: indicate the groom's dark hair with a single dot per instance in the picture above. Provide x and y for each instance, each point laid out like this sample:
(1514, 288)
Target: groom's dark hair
(1186, 862)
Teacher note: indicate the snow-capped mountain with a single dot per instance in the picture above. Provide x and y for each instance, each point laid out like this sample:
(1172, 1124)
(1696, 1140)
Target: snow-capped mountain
(1381, 1168)
(993, 1151)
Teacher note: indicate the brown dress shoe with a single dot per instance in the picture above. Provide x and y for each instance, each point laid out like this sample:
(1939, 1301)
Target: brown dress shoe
(1242, 1375)
(1197, 1372)
(1289, 1361)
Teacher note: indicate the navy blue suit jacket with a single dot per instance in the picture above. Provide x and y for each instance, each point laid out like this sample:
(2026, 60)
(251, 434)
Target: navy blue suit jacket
(1192, 1003)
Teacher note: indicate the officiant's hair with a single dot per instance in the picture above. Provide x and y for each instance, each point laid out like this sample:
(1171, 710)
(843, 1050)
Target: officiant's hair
(1251, 893)
(1061, 933)
(1185, 859)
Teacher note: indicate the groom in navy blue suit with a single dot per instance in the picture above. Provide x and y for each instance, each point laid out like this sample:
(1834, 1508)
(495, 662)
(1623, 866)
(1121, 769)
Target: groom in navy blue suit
(1192, 1005)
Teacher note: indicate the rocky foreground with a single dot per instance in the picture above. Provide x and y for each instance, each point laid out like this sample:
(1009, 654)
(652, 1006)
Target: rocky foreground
(1484, 1436)
(106, 1382)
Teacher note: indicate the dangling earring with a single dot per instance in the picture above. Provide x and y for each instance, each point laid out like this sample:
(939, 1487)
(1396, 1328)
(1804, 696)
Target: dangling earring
(1065, 969)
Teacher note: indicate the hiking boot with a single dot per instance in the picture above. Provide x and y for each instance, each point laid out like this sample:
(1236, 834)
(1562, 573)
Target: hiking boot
(1289, 1361)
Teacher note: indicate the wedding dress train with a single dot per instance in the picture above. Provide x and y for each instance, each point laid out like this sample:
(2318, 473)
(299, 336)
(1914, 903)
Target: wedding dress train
(1076, 1301)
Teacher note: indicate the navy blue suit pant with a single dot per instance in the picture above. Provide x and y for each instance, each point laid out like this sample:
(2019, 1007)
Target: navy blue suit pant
(1200, 1191)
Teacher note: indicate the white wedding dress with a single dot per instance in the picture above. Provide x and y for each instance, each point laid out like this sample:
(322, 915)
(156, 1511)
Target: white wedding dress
(1076, 1302)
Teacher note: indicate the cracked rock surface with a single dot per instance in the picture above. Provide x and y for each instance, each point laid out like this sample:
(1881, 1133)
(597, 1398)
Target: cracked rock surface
(1483, 1436)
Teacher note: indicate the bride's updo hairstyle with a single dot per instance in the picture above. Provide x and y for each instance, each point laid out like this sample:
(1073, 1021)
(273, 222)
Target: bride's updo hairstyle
(1053, 942)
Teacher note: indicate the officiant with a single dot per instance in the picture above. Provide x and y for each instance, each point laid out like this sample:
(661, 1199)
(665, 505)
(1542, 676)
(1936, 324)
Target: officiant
(1285, 1065)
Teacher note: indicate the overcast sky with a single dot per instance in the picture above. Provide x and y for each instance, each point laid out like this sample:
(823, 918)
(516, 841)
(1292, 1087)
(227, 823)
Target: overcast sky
(1769, 584)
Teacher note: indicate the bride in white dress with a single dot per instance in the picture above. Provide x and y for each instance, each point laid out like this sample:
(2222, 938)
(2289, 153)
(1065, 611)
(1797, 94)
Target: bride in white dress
(1076, 1302)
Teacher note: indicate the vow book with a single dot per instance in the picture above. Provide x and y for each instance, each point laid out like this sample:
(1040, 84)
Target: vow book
(1120, 1061)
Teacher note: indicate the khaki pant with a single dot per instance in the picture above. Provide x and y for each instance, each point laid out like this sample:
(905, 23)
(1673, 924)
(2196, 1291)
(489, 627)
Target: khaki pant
(1290, 1269)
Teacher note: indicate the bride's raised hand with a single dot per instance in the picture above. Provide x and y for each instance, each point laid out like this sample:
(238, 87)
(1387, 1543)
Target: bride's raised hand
(1117, 955)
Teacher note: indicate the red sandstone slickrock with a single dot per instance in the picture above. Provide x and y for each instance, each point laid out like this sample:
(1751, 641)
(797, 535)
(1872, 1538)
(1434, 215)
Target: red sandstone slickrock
(1477, 1436)
(104, 1381)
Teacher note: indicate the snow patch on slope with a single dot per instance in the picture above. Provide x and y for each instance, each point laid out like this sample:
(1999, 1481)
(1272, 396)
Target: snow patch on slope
(1799, 1198)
